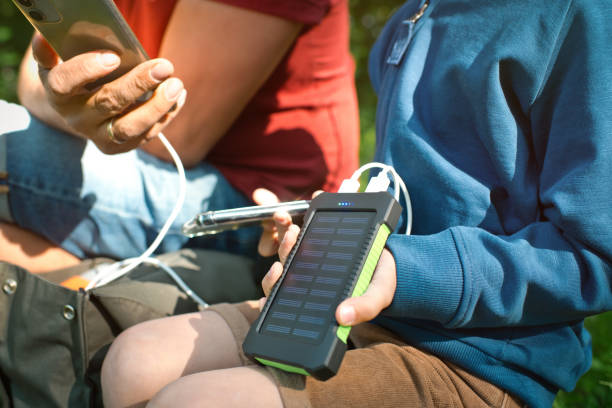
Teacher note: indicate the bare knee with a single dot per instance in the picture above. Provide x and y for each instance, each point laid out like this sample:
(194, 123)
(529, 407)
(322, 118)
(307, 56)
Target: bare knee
(129, 370)
(234, 387)
(150, 355)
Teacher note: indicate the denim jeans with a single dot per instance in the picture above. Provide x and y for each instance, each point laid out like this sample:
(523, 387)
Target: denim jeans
(92, 204)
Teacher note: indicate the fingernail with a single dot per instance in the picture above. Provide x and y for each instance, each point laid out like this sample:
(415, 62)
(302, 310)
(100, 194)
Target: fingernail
(181, 99)
(109, 59)
(172, 89)
(161, 71)
(347, 315)
(272, 273)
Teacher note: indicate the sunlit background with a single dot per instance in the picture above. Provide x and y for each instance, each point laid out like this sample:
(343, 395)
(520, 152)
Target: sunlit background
(367, 18)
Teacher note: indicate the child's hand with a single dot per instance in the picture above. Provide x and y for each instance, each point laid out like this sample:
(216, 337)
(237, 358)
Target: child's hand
(378, 296)
(351, 311)
(273, 230)
(288, 241)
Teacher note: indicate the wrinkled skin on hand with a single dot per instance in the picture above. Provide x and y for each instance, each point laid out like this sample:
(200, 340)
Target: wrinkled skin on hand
(89, 112)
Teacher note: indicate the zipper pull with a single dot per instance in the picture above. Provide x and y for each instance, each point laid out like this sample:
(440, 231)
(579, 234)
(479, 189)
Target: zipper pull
(404, 36)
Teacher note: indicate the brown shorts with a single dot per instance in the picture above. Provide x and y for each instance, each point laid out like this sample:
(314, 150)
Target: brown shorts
(379, 371)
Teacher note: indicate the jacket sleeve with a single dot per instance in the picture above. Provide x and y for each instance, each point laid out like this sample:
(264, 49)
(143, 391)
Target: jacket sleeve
(557, 269)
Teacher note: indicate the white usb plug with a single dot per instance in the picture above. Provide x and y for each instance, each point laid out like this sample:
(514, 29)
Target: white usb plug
(380, 182)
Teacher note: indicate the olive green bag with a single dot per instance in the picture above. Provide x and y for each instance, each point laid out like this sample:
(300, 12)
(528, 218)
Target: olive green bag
(53, 339)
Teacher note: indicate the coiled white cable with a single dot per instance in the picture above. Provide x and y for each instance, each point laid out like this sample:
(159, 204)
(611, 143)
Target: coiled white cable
(398, 184)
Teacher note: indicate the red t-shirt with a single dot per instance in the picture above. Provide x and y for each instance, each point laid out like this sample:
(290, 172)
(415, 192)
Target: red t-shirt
(300, 132)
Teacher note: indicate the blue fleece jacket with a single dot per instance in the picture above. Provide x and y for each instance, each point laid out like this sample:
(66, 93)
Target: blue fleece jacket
(498, 116)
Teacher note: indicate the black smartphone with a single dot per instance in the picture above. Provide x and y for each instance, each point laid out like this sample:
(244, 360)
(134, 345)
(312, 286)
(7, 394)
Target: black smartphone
(73, 27)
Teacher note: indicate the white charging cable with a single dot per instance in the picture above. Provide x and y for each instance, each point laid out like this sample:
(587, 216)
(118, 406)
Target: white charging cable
(381, 182)
(105, 274)
(109, 273)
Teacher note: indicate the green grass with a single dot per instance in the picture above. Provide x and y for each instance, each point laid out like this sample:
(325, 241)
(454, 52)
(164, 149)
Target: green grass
(594, 390)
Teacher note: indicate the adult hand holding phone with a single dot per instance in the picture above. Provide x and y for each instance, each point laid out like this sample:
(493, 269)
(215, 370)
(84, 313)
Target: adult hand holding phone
(111, 115)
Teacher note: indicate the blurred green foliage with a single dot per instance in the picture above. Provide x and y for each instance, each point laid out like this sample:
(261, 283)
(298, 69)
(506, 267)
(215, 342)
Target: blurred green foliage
(15, 34)
(594, 390)
(367, 19)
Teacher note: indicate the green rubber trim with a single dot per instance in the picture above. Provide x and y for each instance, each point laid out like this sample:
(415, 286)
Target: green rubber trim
(366, 273)
(284, 367)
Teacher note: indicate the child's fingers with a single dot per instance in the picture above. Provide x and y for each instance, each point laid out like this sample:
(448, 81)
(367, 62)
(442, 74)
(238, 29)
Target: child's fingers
(268, 281)
(288, 242)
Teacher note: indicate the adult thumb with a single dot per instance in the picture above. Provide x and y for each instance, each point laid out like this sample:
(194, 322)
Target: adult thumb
(43, 53)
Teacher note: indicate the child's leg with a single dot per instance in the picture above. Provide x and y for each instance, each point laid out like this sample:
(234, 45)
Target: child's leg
(147, 357)
(250, 386)
(381, 371)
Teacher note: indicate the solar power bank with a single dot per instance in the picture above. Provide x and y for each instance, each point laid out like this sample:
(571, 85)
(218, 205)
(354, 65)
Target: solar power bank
(334, 258)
